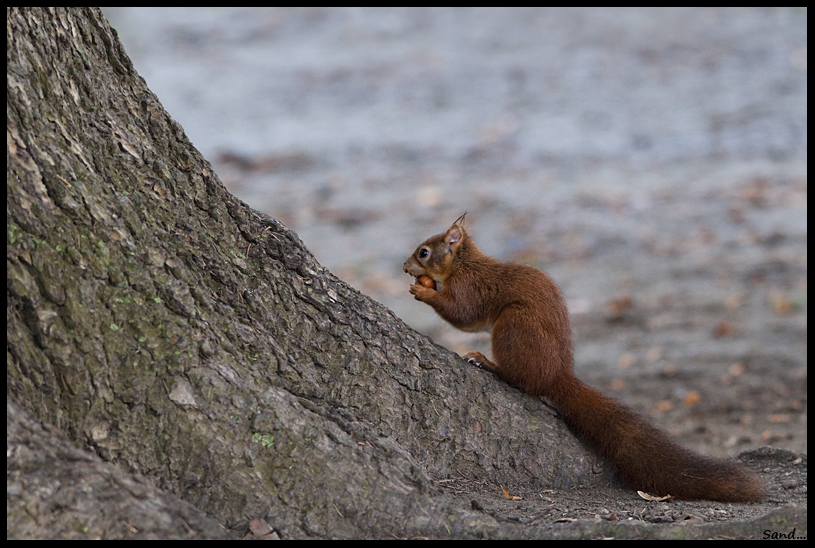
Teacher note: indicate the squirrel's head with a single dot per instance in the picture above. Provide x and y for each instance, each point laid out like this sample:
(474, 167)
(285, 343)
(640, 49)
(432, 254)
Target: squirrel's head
(435, 256)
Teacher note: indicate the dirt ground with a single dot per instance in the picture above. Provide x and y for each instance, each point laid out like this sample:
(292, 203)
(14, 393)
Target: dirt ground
(652, 161)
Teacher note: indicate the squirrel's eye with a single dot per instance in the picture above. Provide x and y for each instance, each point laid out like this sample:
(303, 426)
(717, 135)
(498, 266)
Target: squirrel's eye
(423, 253)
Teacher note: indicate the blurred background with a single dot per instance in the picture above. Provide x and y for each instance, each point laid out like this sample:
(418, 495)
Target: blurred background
(645, 158)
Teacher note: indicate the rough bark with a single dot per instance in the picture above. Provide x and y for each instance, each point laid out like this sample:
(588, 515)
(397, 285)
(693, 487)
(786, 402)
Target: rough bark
(158, 321)
(55, 490)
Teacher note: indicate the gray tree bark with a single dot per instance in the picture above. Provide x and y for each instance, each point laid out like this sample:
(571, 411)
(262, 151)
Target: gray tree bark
(155, 320)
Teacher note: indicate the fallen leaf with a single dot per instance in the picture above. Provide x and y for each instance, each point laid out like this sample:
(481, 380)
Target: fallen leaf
(510, 497)
(646, 496)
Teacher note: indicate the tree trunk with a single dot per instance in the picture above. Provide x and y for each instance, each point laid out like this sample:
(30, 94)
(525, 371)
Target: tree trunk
(161, 323)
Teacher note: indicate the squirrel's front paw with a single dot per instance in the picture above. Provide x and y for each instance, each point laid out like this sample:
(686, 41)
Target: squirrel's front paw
(421, 292)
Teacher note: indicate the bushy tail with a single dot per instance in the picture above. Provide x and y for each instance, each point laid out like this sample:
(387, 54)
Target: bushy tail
(646, 458)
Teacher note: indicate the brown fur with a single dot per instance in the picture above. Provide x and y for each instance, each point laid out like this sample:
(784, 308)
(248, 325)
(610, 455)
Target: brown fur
(532, 349)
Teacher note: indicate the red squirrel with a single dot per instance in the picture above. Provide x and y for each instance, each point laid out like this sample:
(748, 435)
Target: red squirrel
(532, 349)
